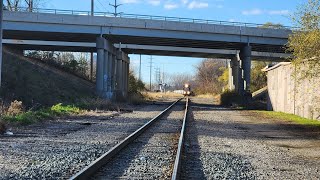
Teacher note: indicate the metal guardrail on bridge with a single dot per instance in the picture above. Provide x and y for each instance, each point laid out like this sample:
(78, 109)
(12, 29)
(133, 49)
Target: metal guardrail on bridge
(147, 17)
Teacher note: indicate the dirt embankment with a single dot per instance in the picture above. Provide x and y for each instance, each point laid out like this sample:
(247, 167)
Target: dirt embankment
(33, 83)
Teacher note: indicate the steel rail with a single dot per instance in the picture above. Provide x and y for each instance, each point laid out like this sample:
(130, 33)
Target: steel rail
(149, 17)
(177, 164)
(102, 160)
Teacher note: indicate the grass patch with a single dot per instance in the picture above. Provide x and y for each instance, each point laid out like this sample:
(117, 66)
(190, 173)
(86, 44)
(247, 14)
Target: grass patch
(207, 96)
(290, 117)
(47, 113)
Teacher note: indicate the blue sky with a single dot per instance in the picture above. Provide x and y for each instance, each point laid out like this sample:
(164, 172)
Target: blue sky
(254, 11)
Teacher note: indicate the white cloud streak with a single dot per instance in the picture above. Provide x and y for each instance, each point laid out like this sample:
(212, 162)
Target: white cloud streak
(154, 2)
(197, 5)
(170, 6)
(130, 1)
(257, 11)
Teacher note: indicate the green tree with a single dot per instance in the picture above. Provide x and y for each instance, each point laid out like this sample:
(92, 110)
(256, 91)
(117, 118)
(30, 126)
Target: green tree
(135, 85)
(272, 25)
(305, 43)
(258, 78)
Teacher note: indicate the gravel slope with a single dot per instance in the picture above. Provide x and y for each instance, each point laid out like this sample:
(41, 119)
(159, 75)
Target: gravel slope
(58, 149)
(228, 144)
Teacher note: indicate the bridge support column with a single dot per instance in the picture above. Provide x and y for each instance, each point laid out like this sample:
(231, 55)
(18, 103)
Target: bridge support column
(105, 54)
(236, 80)
(245, 56)
(100, 68)
(120, 75)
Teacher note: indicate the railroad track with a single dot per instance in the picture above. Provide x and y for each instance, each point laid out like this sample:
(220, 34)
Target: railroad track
(162, 138)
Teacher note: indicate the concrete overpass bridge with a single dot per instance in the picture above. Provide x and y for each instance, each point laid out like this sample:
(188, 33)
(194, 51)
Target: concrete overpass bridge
(113, 38)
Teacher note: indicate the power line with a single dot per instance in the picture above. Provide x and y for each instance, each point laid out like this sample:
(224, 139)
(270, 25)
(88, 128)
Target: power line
(102, 5)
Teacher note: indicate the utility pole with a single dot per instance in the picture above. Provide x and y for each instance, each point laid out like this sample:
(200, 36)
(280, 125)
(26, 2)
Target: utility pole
(30, 5)
(115, 5)
(91, 53)
(92, 7)
(1, 22)
(140, 69)
(151, 72)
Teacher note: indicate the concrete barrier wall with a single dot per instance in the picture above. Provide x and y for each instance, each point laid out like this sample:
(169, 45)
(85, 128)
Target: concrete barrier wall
(287, 94)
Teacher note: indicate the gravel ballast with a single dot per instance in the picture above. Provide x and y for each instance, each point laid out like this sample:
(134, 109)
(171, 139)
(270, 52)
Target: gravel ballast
(58, 149)
(151, 155)
(230, 144)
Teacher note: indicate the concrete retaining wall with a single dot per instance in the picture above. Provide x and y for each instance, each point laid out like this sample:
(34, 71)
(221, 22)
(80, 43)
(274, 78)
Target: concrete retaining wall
(287, 94)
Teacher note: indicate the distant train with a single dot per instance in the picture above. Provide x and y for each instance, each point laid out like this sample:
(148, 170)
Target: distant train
(187, 90)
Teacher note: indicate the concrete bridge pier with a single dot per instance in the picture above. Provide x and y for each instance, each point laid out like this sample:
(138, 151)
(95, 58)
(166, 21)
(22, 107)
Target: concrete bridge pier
(239, 73)
(121, 75)
(105, 68)
(245, 56)
(234, 74)
(126, 76)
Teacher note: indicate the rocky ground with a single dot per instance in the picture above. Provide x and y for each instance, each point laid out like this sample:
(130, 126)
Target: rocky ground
(151, 155)
(220, 144)
(57, 149)
(230, 144)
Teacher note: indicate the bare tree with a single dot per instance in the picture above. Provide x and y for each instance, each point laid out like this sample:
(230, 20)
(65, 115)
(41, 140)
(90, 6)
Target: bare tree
(17, 5)
(178, 80)
(207, 77)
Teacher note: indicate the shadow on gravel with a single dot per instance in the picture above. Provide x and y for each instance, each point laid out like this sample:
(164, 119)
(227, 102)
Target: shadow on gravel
(242, 126)
(192, 167)
(200, 164)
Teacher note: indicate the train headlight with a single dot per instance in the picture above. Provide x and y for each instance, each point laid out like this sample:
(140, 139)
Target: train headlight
(188, 92)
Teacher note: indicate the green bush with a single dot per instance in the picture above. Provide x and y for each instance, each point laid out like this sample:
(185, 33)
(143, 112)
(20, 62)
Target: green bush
(59, 109)
(48, 113)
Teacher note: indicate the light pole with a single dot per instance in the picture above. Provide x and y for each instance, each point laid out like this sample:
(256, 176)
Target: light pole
(92, 7)
(1, 23)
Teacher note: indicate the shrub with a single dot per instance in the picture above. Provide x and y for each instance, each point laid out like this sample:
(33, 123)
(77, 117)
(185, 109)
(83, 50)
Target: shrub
(59, 109)
(229, 98)
(15, 108)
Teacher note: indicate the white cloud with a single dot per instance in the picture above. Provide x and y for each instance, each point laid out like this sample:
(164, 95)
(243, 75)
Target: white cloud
(154, 2)
(184, 2)
(218, 6)
(130, 1)
(197, 4)
(279, 12)
(170, 5)
(252, 12)
(260, 12)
